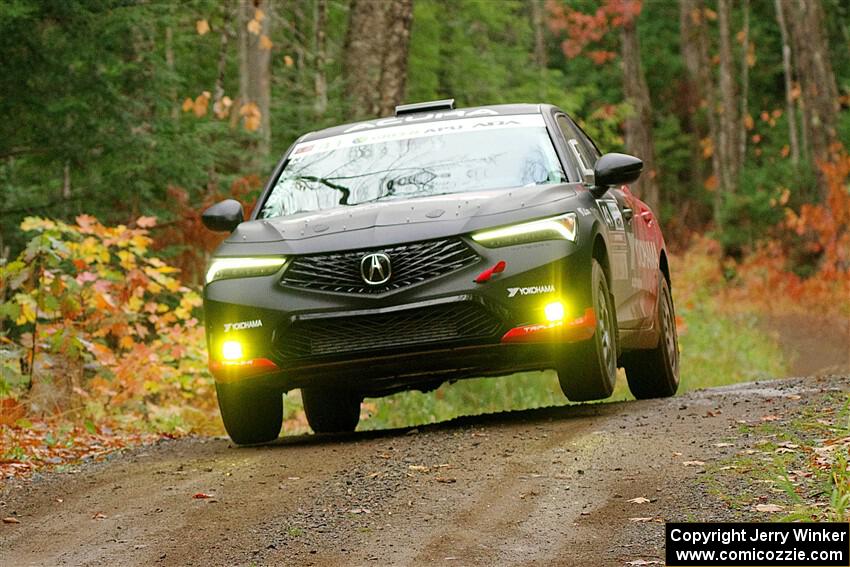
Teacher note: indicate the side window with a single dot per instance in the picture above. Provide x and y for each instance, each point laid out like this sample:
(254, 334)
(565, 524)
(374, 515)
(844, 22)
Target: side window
(578, 147)
(591, 146)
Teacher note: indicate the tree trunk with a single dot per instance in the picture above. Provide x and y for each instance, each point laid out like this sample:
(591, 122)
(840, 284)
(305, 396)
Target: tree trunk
(819, 94)
(729, 123)
(254, 64)
(745, 86)
(396, 49)
(790, 111)
(376, 50)
(693, 90)
(537, 9)
(218, 88)
(169, 64)
(362, 63)
(709, 92)
(320, 80)
(638, 126)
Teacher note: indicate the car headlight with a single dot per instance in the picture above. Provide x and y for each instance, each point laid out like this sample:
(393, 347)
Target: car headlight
(221, 268)
(554, 228)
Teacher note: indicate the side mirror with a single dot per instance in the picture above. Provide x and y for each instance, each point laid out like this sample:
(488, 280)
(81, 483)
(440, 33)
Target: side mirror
(224, 216)
(615, 169)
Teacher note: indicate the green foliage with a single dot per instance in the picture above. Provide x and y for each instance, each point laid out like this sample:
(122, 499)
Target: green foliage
(97, 99)
(89, 307)
(720, 348)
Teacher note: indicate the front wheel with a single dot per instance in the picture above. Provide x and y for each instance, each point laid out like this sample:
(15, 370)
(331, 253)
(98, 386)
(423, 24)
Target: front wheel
(588, 370)
(250, 415)
(655, 373)
(330, 410)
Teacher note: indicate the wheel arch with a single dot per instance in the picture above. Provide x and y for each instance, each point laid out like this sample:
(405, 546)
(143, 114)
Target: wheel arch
(599, 252)
(665, 268)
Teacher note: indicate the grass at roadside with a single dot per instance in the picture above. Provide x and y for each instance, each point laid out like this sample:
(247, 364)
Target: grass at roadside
(794, 469)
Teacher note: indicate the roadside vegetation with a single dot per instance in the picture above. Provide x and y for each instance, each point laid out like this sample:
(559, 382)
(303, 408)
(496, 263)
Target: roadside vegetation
(794, 468)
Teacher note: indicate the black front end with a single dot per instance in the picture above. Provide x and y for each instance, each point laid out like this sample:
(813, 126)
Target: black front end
(402, 316)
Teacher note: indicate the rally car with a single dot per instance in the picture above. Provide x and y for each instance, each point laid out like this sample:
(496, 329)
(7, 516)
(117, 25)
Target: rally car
(430, 246)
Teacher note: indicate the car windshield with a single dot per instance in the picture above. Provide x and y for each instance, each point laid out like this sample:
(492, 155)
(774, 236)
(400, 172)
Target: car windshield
(415, 160)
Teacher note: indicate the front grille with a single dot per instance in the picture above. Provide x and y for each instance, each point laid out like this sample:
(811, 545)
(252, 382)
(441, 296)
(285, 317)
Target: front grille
(411, 264)
(446, 324)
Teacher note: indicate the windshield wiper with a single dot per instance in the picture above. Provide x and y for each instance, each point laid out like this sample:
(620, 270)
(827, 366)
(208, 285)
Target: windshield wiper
(346, 192)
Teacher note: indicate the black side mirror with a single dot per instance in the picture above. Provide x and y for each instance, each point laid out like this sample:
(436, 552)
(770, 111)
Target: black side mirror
(615, 169)
(224, 216)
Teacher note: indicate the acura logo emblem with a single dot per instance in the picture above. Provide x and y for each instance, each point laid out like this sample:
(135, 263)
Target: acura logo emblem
(375, 269)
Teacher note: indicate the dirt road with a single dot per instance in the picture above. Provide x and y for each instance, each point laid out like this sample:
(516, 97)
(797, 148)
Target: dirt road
(540, 487)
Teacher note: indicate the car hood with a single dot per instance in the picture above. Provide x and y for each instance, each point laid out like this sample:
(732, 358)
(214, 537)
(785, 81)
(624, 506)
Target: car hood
(398, 220)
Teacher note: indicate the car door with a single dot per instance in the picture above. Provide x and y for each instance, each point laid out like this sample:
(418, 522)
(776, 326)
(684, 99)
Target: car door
(648, 242)
(613, 206)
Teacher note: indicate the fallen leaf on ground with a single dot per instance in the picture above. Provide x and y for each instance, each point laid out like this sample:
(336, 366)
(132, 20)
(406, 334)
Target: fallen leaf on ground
(639, 500)
(201, 495)
(769, 508)
(99, 516)
(11, 520)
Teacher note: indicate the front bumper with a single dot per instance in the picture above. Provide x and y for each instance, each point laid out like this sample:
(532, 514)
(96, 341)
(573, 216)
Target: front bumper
(418, 336)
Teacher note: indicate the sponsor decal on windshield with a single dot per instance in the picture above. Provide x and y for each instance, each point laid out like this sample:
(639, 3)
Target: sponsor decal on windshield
(408, 131)
(421, 118)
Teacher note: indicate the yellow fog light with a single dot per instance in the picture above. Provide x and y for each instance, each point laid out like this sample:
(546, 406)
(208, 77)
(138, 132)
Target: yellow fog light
(554, 311)
(231, 351)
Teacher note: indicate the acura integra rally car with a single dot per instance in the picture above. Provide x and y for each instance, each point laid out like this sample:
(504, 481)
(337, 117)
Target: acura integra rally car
(435, 245)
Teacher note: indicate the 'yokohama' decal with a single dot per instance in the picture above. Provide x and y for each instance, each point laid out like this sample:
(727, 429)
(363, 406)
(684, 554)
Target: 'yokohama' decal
(533, 290)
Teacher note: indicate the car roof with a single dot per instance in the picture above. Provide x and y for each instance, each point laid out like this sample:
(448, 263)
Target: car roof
(426, 116)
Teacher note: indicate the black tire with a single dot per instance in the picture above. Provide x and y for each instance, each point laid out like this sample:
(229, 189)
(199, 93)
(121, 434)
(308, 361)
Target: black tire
(331, 410)
(655, 373)
(588, 370)
(250, 415)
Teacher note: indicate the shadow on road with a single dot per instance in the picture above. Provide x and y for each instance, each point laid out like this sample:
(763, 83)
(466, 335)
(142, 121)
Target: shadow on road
(528, 416)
